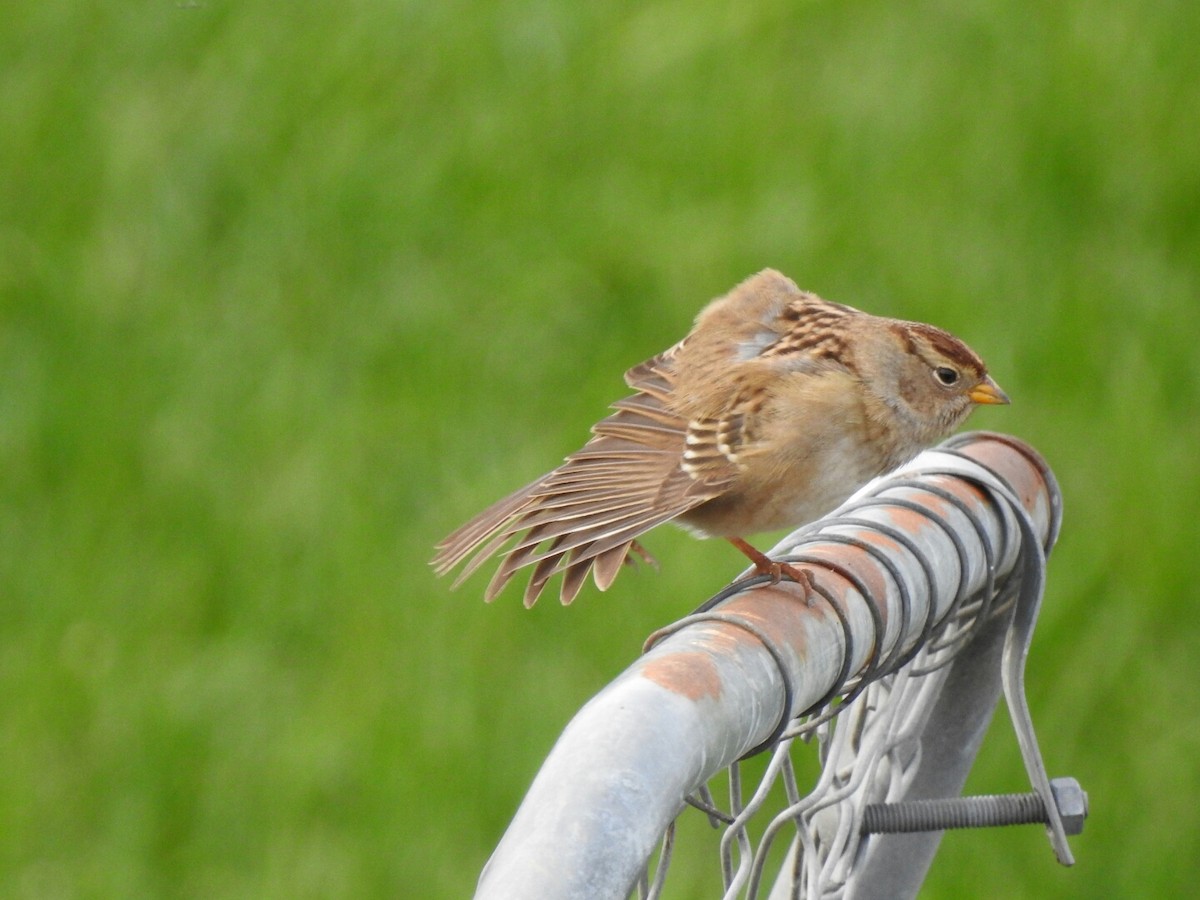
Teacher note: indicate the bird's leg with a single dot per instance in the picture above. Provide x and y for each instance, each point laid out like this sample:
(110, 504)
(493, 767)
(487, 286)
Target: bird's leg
(764, 565)
(636, 549)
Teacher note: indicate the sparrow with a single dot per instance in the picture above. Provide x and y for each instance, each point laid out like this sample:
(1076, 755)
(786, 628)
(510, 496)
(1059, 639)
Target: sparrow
(774, 409)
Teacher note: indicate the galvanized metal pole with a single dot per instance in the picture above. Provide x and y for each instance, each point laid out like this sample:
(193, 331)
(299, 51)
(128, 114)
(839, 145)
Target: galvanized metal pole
(716, 688)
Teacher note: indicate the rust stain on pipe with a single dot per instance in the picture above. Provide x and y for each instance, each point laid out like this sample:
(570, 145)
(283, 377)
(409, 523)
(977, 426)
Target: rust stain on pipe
(909, 520)
(1022, 471)
(881, 541)
(854, 560)
(688, 673)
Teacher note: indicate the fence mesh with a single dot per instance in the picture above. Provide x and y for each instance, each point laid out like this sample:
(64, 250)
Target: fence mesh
(868, 750)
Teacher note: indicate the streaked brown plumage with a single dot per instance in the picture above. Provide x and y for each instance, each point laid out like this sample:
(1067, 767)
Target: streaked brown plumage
(774, 409)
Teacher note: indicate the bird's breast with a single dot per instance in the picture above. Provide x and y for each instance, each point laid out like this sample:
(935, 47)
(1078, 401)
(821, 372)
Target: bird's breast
(797, 487)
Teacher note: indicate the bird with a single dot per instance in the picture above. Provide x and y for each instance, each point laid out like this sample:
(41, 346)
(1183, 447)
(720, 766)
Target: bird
(773, 410)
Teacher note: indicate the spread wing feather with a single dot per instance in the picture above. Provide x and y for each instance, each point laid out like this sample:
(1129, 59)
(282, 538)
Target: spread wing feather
(644, 465)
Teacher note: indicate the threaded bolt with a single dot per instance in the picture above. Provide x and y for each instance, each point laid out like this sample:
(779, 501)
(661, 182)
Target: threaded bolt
(985, 811)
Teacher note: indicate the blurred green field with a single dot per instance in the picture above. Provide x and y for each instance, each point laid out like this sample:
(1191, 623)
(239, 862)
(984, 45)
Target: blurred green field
(288, 292)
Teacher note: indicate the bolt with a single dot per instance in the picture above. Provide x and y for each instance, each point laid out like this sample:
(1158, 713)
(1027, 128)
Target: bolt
(978, 812)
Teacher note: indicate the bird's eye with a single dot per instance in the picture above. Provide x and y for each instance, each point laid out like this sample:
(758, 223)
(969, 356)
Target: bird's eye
(945, 375)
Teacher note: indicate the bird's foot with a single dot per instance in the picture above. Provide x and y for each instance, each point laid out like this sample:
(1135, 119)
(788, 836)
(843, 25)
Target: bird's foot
(764, 565)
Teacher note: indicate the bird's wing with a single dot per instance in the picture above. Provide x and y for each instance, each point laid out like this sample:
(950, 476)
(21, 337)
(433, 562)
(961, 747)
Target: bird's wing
(644, 465)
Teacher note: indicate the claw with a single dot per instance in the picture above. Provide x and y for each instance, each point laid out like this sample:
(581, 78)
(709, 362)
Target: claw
(764, 565)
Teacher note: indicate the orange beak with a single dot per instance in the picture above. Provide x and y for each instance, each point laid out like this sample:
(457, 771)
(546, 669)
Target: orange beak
(988, 392)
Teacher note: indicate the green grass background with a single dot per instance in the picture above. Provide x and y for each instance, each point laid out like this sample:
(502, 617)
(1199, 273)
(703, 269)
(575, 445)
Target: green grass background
(289, 291)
